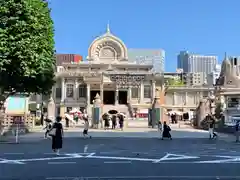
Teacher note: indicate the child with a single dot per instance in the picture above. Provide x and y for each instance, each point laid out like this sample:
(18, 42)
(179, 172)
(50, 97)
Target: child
(85, 130)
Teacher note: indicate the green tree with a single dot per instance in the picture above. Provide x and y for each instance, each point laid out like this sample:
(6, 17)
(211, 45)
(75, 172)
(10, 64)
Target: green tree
(27, 62)
(175, 82)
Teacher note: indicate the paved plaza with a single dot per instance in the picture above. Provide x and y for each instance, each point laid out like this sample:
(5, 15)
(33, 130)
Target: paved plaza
(120, 157)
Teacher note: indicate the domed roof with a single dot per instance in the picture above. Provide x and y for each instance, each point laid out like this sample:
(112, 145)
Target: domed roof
(106, 47)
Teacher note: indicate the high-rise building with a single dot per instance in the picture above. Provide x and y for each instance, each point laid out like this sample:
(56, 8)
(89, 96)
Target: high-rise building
(195, 63)
(213, 76)
(155, 57)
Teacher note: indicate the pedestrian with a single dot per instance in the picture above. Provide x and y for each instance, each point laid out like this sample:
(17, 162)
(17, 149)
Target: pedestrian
(114, 121)
(86, 127)
(211, 121)
(57, 135)
(166, 131)
(160, 127)
(121, 121)
(106, 120)
(237, 134)
(47, 128)
(67, 122)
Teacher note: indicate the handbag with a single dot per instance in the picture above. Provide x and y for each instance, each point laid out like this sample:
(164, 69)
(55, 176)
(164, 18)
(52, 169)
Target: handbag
(52, 132)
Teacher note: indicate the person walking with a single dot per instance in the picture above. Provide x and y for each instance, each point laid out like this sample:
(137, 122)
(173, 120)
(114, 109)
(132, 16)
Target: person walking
(211, 121)
(85, 130)
(57, 135)
(121, 121)
(166, 131)
(47, 128)
(237, 133)
(114, 121)
(160, 127)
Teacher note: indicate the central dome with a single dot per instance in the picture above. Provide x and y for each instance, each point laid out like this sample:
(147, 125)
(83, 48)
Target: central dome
(107, 47)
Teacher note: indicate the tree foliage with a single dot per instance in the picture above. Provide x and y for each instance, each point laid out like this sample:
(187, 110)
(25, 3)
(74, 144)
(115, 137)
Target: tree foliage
(26, 47)
(175, 82)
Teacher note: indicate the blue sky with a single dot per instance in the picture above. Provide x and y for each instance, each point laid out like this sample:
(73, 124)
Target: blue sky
(209, 27)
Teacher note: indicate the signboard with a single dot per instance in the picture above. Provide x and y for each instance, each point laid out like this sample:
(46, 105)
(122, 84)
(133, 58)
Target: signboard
(18, 120)
(126, 80)
(16, 105)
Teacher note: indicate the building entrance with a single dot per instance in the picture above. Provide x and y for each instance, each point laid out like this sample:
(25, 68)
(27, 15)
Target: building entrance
(122, 97)
(108, 97)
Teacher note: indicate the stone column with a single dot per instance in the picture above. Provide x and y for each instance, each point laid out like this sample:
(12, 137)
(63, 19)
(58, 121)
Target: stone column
(76, 90)
(101, 92)
(63, 90)
(129, 94)
(174, 98)
(88, 96)
(186, 98)
(153, 89)
(116, 96)
(141, 92)
(51, 109)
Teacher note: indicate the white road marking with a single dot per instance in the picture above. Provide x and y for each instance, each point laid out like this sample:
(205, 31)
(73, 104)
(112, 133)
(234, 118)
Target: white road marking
(85, 148)
(229, 159)
(7, 161)
(147, 177)
(122, 158)
(13, 153)
(61, 162)
(168, 157)
(117, 162)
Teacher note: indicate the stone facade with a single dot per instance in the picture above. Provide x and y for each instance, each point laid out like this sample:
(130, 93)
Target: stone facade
(185, 98)
(108, 73)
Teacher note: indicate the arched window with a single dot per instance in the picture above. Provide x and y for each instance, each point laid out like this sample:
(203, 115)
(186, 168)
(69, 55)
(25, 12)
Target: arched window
(82, 89)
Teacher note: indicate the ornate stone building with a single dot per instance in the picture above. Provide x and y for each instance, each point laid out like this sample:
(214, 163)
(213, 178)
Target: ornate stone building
(228, 90)
(108, 73)
(185, 98)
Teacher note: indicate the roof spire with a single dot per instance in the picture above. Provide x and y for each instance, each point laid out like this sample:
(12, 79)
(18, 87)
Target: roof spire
(108, 27)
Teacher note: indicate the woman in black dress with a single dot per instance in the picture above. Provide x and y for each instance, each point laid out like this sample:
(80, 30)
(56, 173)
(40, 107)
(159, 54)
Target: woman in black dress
(57, 139)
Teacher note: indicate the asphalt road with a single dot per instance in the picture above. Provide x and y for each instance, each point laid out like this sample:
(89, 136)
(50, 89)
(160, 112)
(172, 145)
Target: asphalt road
(121, 158)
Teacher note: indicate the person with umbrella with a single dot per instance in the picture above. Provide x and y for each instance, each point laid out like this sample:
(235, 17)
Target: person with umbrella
(121, 120)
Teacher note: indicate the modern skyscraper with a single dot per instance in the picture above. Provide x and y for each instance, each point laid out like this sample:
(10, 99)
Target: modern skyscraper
(213, 76)
(196, 63)
(155, 57)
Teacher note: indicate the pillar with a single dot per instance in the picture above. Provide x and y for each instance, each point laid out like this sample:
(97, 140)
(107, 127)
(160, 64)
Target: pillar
(141, 92)
(88, 98)
(96, 111)
(101, 97)
(76, 89)
(156, 112)
(63, 90)
(186, 98)
(116, 96)
(129, 94)
(174, 98)
(101, 92)
(62, 111)
(153, 89)
(51, 109)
